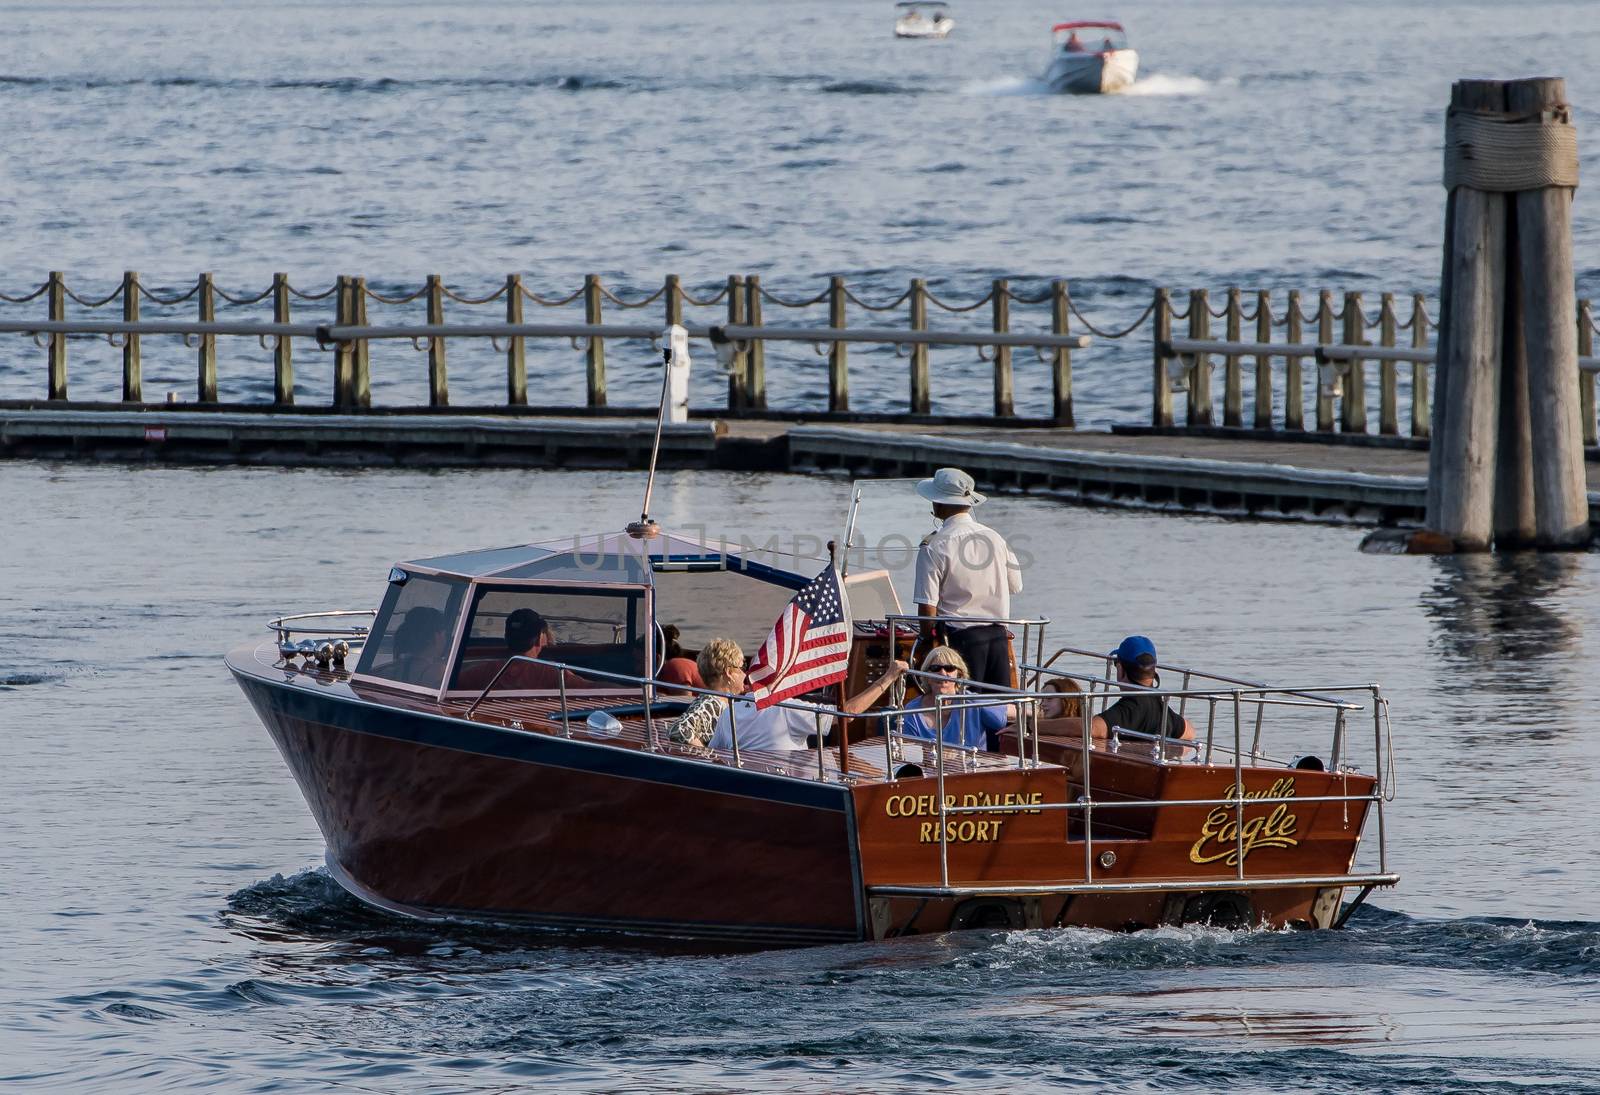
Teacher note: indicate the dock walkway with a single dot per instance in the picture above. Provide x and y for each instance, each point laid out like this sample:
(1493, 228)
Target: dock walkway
(1252, 478)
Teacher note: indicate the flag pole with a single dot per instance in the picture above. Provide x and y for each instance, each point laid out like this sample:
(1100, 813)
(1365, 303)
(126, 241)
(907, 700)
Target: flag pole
(645, 528)
(843, 686)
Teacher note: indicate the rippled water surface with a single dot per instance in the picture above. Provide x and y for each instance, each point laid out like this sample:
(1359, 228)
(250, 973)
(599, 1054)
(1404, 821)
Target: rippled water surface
(169, 925)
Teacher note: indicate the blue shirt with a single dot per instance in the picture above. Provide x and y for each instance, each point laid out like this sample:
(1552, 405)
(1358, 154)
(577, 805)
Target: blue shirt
(964, 725)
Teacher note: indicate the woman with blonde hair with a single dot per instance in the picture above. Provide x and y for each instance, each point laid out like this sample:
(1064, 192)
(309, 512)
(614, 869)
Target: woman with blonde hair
(968, 722)
(721, 666)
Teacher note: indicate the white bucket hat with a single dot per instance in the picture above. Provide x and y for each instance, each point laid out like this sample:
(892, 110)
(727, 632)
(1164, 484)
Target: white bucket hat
(952, 487)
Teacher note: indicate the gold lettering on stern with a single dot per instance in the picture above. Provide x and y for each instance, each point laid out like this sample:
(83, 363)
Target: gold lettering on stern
(1220, 837)
(963, 828)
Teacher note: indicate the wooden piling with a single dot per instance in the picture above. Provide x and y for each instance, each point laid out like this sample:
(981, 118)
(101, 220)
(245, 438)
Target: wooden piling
(595, 354)
(1586, 405)
(1061, 358)
(739, 371)
(283, 352)
(1514, 516)
(1421, 403)
(1544, 248)
(132, 364)
(1353, 405)
(1161, 331)
(1200, 373)
(1263, 415)
(755, 388)
(674, 300)
(516, 346)
(921, 393)
(838, 353)
(361, 356)
(343, 352)
(1004, 383)
(1232, 367)
(56, 354)
(438, 363)
(1466, 408)
(206, 380)
(1388, 388)
(1325, 418)
(1294, 385)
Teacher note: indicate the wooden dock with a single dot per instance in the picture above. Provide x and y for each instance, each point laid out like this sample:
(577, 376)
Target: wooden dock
(1226, 476)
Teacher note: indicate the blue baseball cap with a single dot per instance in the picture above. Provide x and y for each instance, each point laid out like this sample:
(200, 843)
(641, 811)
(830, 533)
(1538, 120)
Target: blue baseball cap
(1136, 651)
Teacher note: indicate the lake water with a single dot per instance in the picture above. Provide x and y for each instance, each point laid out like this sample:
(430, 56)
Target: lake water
(1269, 144)
(169, 924)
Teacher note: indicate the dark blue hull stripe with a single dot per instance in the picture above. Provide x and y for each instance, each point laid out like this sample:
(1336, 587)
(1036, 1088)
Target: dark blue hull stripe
(342, 710)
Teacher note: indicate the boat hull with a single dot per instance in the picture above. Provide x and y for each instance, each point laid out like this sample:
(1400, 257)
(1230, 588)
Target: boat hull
(434, 816)
(1093, 73)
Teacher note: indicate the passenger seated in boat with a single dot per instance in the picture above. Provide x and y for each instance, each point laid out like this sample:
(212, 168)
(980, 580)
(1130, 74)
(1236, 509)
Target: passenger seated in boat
(420, 643)
(1106, 46)
(1067, 703)
(968, 725)
(680, 671)
(1074, 44)
(527, 634)
(1138, 711)
(784, 729)
(721, 666)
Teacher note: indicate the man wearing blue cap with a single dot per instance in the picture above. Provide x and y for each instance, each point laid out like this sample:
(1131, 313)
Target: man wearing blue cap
(1140, 711)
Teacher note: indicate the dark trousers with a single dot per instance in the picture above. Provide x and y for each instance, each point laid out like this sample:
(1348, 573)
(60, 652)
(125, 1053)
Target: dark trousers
(984, 650)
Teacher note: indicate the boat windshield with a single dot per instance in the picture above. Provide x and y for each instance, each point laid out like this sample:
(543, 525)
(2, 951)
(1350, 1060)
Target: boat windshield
(1089, 37)
(410, 639)
(596, 628)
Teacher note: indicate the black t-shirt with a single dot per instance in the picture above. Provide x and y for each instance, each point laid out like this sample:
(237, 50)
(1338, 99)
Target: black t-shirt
(1145, 714)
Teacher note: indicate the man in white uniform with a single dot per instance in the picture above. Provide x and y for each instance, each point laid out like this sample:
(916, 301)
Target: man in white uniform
(966, 569)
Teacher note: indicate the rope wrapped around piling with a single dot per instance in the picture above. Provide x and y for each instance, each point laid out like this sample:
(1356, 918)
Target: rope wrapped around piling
(1503, 153)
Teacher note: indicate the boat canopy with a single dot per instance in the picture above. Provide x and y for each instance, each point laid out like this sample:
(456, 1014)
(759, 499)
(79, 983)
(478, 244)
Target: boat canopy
(1086, 25)
(918, 5)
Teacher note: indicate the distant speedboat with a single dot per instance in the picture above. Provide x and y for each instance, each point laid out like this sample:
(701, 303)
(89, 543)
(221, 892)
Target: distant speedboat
(1090, 58)
(920, 19)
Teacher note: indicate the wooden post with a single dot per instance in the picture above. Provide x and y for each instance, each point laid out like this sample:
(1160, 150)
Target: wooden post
(1263, 416)
(595, 355)
(1388, 388)
(1514, 515)
(1353, 407)
(1543, 233)
(1232, 370)
(674, 298)
(206, 381)
(839, 353)
(1004, 386)
(1061, 359)
(132, 366)
(1586, 406)
(1421, 406)
(361, 359)
(1161, 332)
(516, 347)
(1463, 456)
(739, 374)
(1324, 338)
(438, 364)
(921, 392)
(343, 352)
(1294, 385)
(755, 389)
(283, 353)
(56, 356)
(1200, 375)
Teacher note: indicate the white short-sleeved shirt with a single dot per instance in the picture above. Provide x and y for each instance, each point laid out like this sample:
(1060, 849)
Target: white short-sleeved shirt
(777, 728)
(966, 569)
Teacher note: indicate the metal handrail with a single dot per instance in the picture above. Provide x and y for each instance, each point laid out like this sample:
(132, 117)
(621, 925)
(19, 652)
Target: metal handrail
(280, 628)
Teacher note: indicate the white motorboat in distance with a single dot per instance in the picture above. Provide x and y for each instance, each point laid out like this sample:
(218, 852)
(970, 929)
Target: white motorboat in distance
(1090, 58)
(920, 19)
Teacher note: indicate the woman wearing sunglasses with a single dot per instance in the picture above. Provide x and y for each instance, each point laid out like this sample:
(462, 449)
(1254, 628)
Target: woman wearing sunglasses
(968, 722)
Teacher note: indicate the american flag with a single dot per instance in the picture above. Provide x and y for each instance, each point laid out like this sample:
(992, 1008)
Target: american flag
(809, 646)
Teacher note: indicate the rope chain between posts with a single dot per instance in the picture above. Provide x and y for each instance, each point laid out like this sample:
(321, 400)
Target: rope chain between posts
(891, 306)
(304, 295)
(620, 303)
(462, 298)
(703, 302)
(241, 299)
(1126, 331)
(404, 298)
(39, 292)
(159, 299)
(550, 302)
(973, 307)
(102, 302)
(782, 302)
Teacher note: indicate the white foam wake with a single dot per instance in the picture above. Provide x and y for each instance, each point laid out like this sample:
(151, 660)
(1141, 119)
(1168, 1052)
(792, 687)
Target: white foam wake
(1006, 85)
(1168, 85)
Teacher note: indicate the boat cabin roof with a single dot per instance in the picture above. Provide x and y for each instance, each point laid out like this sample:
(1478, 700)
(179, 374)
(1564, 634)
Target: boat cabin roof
(931, 5)
(608, 558)
(1086, 25)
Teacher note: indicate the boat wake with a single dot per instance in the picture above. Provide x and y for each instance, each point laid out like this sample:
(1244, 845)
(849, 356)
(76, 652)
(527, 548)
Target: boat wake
(1169, 86)
(1007, 85)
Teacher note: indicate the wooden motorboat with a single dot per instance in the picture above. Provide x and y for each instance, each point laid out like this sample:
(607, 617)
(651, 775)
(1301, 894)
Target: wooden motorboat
(453, 777)
(922, 19)
(1090, 58)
